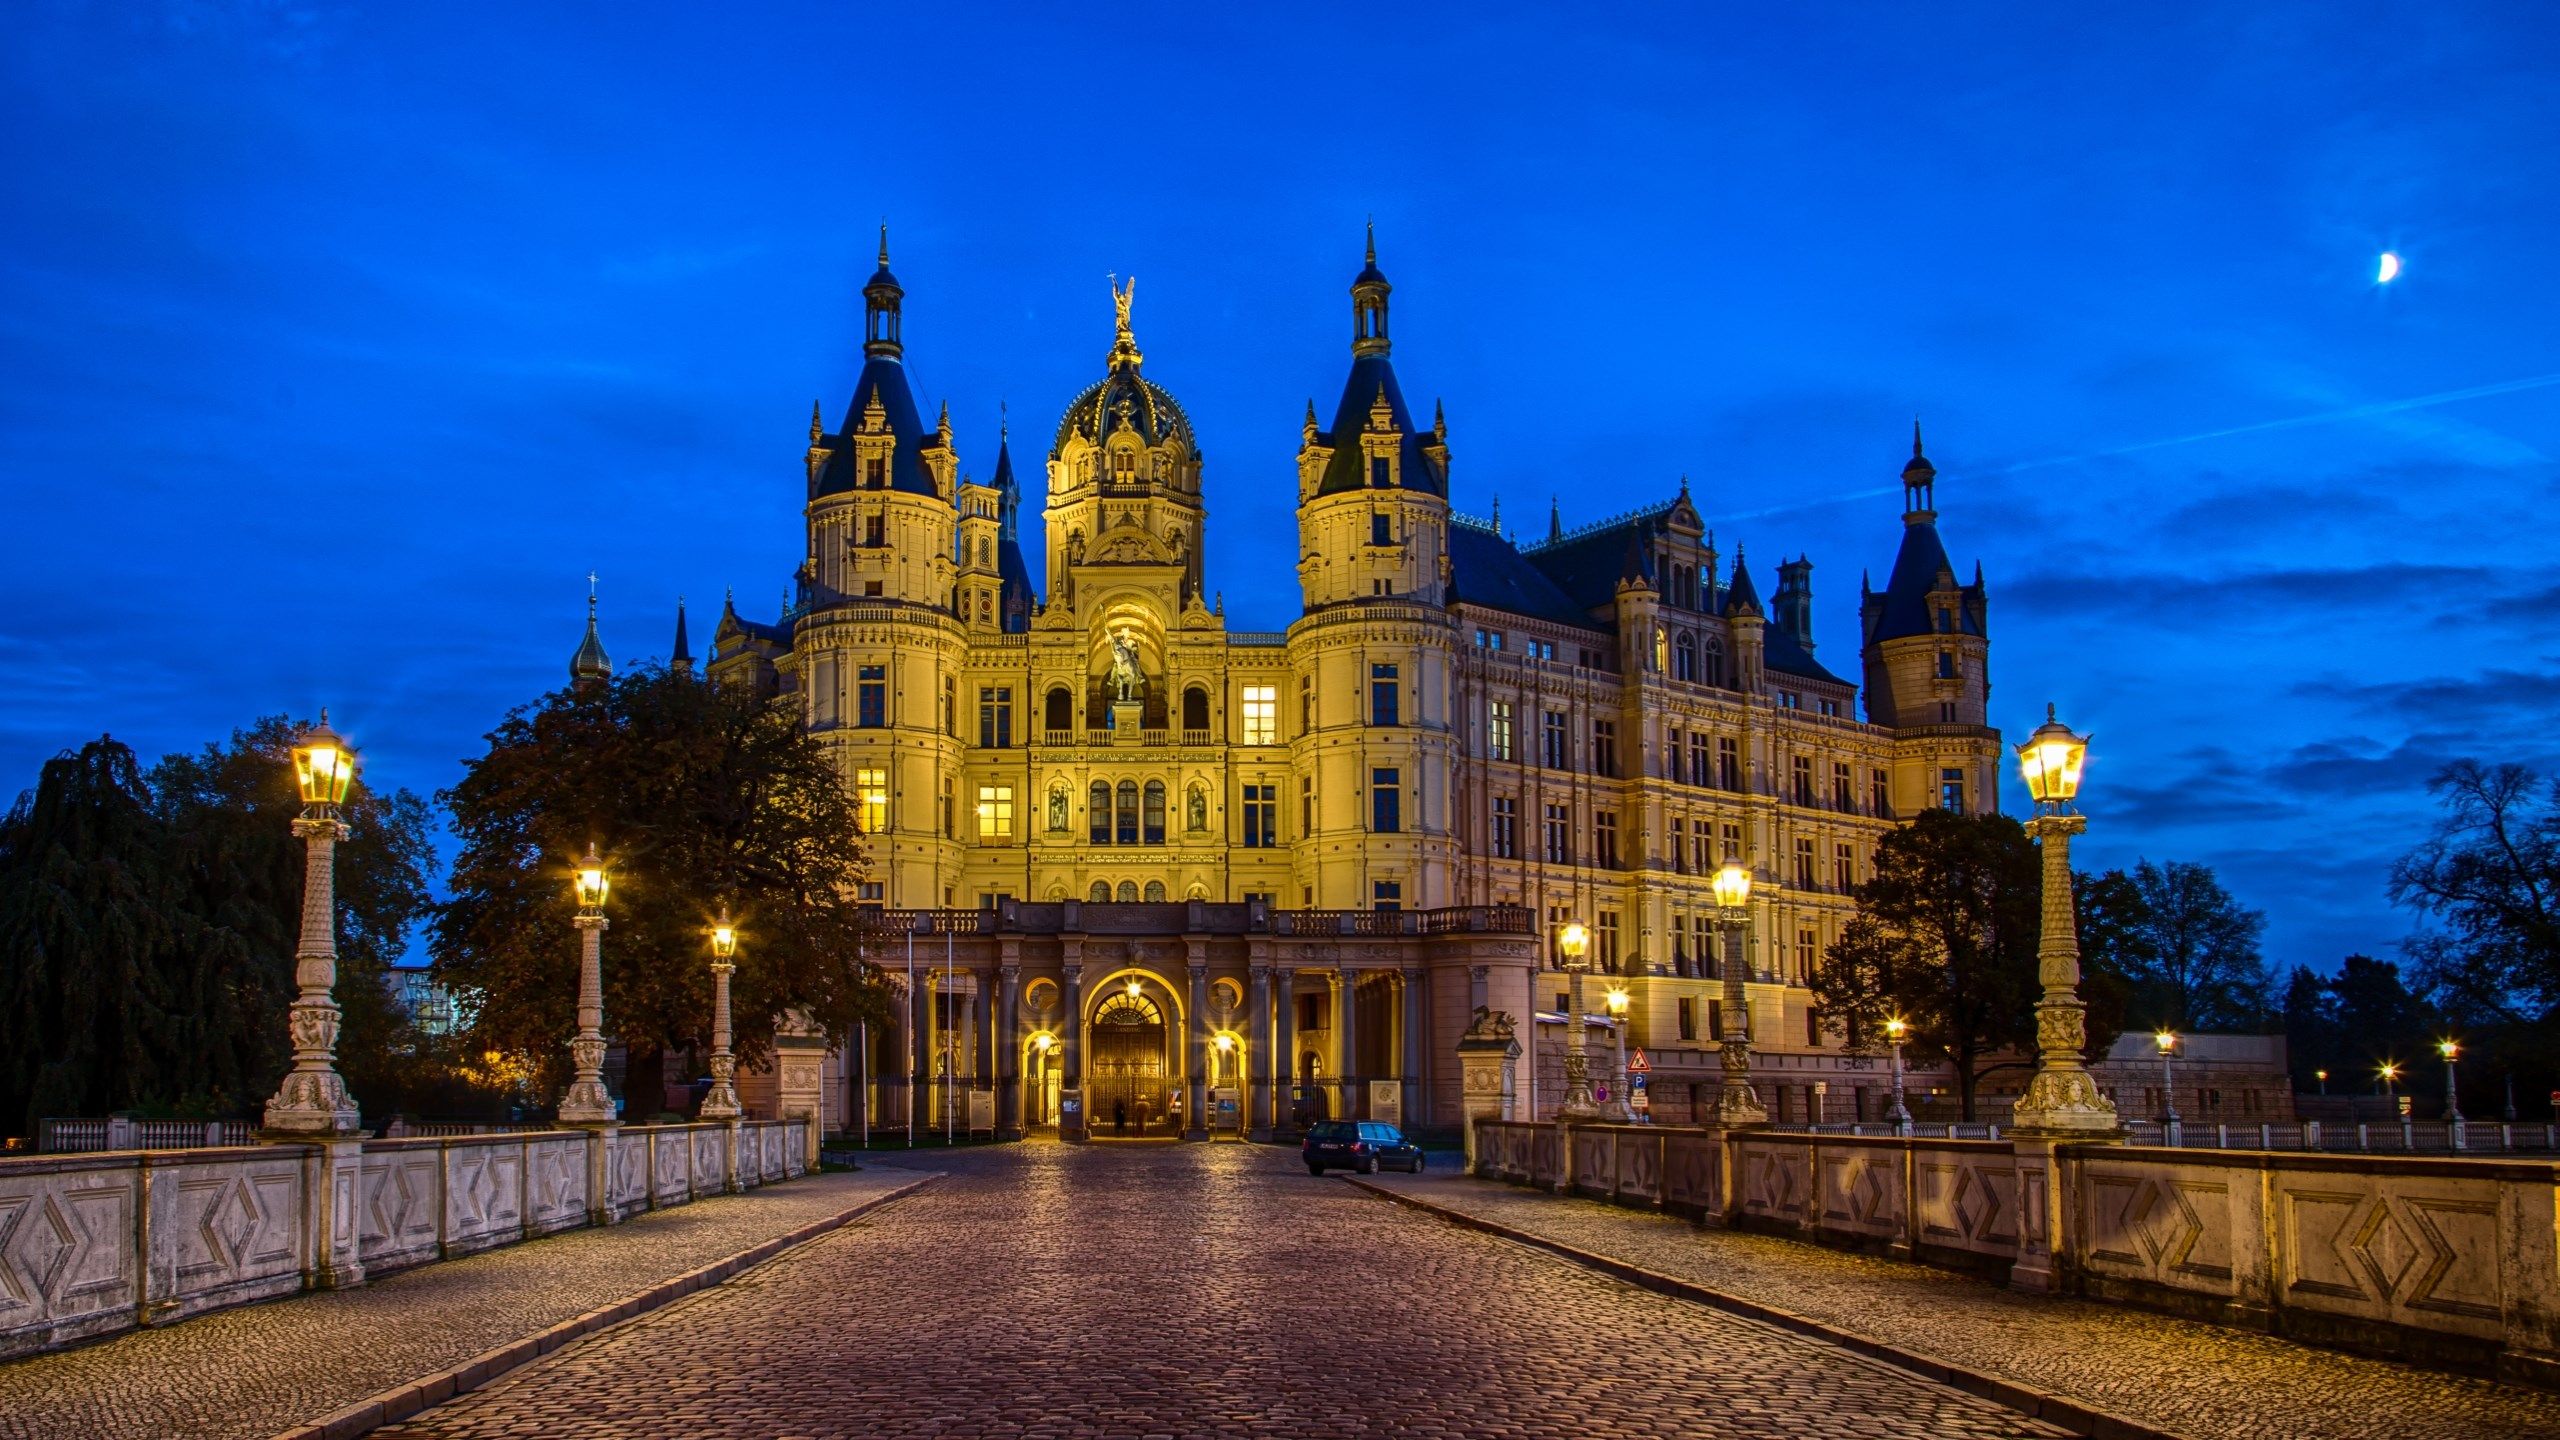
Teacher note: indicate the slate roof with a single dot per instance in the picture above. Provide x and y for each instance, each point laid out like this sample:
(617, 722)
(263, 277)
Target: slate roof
(886, 376)
(1918, 568)
(1487, 570)
(1347, 470)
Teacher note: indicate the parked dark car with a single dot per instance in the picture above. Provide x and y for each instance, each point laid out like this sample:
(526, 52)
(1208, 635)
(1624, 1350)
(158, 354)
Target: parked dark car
(1362, 1145)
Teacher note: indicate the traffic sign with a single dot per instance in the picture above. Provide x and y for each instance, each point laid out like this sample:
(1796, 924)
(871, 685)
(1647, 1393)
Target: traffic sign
(1638, 1065)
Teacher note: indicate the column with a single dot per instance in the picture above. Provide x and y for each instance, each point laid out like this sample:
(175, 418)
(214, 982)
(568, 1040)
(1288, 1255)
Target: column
(1009, 1048)
(1071, 1044)
(1284, 1051)
(920, 1038)
(1346, 1014)
(1257, 1040)
(1195, 1103)
(1416, 1007)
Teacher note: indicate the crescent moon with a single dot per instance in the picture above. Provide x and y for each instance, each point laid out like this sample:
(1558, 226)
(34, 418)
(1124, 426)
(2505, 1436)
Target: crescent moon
(2389, 271)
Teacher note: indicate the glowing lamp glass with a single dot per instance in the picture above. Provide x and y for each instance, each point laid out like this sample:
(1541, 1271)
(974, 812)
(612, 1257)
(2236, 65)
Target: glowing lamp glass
(323, 766)
(2051, 761)
(2167, 1040)
(593, 881)
(724, 938)
(1226, 1042)
(2448, 1048)
(1896, 1028)
(1573, 942)
(1618, 1002)
(1132, 989)
(1733, 886)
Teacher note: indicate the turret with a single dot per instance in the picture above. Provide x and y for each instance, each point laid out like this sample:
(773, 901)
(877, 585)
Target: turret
(1373, 511)
(1749, 626)
(1795, 600)
(681, 656)
(1925, 643)
(590, 668)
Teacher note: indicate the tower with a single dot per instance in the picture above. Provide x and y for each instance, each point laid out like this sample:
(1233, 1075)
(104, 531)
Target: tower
(1373, 509)
(1926, 649)
(590, 668)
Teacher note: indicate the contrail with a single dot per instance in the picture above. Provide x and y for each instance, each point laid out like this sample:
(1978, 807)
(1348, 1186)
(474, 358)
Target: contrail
(2325, 417)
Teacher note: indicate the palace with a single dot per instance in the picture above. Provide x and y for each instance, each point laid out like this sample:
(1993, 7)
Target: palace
(1149, 867)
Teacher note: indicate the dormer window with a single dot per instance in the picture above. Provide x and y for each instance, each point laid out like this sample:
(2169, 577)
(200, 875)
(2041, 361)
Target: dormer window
(1946, 620)
(1946, 664)
(875, 473)
(1381, 529)
(1381, 473)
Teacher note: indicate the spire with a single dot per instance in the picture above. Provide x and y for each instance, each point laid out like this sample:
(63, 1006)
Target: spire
(590, 666)
(1497, 512)
(1919, 482)
(1369, 304)
(1439, 421)
(1743, 598)
(881, 299)
(681, 658)
(1309, 435)
(1555, 521)
(817, 422)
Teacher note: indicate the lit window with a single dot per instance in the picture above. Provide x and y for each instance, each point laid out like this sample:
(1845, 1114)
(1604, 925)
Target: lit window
(1262, 715)
(1951, 790)
(1497, 730)
(871, 797)
(995, 814)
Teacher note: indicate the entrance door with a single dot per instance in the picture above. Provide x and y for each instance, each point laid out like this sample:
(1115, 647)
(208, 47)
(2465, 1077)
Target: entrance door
(1125, 1075)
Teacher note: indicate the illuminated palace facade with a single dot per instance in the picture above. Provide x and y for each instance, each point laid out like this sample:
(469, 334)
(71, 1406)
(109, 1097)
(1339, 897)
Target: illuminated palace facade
(1149, 866)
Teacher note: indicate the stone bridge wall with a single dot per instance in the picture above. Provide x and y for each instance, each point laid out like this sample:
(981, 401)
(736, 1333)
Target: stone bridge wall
(97, 1243)
(2449, 1260)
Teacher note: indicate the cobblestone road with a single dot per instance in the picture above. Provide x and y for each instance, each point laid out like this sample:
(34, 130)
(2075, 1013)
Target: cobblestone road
(249, 1373)
(2190, 1378)
(1053, 1291)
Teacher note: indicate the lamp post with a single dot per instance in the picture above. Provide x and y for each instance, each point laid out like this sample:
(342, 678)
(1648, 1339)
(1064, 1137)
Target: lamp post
(1621, 1108)
(587, 1101)
(722, 1101)
(2323, 1077)
(1736, 1106)
(2451, 1049)
(2389, 1070)
(313, 1100)
(1573, 944)
(1894, 1029)
(2062, 1099)
(2167, 1043)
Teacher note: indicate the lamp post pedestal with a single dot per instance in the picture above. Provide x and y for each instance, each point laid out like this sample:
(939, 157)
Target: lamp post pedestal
(313, 1103)
(587, 1101)
(2062, 1100)
(1737, 1104)
(1900, 1114)
(721, 1102)
(1578, 1103)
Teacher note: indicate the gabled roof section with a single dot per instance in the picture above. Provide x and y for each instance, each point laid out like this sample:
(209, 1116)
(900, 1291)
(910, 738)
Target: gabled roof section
(1586, 564)
(1780, 652)
(883, 377)
(1347, 470)
(1486, 570)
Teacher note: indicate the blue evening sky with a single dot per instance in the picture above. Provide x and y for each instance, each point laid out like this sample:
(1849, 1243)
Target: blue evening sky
(338, 343)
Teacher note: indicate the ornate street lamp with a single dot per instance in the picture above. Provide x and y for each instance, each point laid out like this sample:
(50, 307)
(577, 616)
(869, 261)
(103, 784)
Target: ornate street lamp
(1622, 1095)
(1737, 1105)
(2167, 1041)
(2062, 1099)
(587, 1101)
(1895, 1028)
(2451, 1050)
(721, 1103)
(1573, 946)
(313, 1100)
(2323, 1077)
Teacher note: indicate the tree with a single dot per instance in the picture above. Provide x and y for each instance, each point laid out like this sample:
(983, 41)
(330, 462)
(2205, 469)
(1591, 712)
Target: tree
(2186, 948)
(229, 810)
(700, 795)
(2489, 875)
(1945, 938)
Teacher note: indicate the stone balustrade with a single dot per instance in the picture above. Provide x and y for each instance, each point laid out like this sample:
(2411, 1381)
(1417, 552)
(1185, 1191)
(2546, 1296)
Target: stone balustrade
(92, 1244)
(2449, 1260)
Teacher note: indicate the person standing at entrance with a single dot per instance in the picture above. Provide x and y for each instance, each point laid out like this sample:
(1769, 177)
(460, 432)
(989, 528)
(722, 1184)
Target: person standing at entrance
(1142, 1117)
(1120, 1118)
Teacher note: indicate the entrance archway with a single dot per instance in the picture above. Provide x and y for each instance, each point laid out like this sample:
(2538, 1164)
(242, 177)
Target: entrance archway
(1131, 1073)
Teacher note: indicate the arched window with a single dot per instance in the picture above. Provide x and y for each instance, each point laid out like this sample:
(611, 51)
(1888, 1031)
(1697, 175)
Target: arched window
(1059, 710)
(1155, 812)
(1128, 892)
(1155, 892)
(1684, 657)
(1126, 813)
(1195, 709)
(1098, 813)
(1715, 674)
(1100, 894)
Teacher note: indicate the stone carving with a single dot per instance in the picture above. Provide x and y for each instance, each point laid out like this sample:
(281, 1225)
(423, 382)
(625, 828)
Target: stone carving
(1195, 809)
(1058, 807)
(1127, 680)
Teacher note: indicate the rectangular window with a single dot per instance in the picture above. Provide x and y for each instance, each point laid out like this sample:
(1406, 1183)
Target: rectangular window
(1314, 1013)
(872, 892)
(1306, 703)
(874, 531)
(1804, 864)
(872, 697)
(1702, 851)
(1715, 1017)
(1729, 763)
(1380, 476)
(1844, 796)
(1506, 827)
(1688, 1018)
(1386, 801)
(1802, 774)
(1381, 529)
(1604, 747)
(871, 587)
(1607, 941)
(1790, 700)
(1732, 844)
(871, 799)
(1386, 895)
(995, 814)
(1559, 836)
(1382, 695)
(995, 717)
(1879, 795)
(1261, 816)
(1698, 773)
(1808, 950)
(1497, 730)
(1604, 839)
(1844, 868)
(1262, 715)
(1306, 806)
(1946, 664)
(1552, 739)
(1671, 754)
(1951, 790)
(1826, 707)
(1679, 942)
(875, 474)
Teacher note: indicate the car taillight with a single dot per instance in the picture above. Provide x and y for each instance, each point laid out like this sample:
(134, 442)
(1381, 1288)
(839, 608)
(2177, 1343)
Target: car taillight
(1359, 1147)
